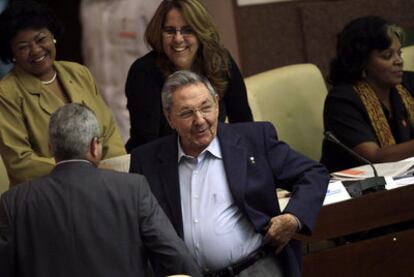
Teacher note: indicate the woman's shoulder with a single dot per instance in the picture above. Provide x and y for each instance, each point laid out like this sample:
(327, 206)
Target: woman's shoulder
(343, 91)
(408, 81)
(10, 86)
(341, 97)
(145, 63)
(70, 66)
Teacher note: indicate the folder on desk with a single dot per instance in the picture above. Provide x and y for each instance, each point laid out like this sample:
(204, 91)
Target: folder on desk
(392, 169)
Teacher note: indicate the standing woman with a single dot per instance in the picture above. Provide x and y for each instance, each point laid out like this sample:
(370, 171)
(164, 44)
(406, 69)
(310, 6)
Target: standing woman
(183, 36)
(38, 85)
(371, 106)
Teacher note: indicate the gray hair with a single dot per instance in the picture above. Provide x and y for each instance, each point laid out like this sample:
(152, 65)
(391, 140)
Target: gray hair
(181, 79)
(71, 130)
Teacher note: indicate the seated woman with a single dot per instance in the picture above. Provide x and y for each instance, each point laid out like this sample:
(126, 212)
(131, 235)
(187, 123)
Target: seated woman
(370, 107)
(35, 87)
(182, 36)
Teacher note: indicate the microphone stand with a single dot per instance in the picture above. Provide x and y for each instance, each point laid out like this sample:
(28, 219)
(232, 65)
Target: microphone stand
(360, 187)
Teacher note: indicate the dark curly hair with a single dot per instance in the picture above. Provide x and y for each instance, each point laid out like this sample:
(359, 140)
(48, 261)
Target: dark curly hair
(355, 44)
(21, 15)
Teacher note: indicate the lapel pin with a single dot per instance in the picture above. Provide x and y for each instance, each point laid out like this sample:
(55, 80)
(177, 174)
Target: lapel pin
(252, 161)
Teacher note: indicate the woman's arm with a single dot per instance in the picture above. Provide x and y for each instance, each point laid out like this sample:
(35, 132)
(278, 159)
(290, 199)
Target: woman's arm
(21, 161)
(372, 152)
(143, 92)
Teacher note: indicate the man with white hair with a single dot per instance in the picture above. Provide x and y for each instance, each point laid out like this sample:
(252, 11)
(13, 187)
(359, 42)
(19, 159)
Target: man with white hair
(217, 182)
(84, 221)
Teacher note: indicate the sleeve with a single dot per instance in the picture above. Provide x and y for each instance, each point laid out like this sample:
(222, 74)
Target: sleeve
(21, 162)
(306, 179)
(112, 144)
(346, 117)
(168, 253)
(7, 262)
(134, 164)
(235, 97)
(143, 93)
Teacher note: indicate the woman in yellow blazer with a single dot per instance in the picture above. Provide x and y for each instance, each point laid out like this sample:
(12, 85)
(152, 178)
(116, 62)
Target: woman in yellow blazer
(38, 85)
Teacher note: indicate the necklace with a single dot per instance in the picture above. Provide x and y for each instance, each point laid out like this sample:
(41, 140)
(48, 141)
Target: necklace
(51, 80)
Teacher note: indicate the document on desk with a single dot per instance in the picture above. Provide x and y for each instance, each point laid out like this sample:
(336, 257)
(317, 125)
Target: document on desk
(336, 193)
(400, 182)
(393, 169)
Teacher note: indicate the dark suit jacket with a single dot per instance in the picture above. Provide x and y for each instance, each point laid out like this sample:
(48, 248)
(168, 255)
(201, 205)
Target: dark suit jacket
(83, 221)
(251, 183)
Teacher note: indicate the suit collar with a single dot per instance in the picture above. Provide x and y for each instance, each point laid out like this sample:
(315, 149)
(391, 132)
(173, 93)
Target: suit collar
(48, 101)
(170, 180)
(235, 160)
(68, 164)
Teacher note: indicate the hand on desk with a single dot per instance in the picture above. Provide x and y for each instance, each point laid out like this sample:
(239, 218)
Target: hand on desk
(280, 230)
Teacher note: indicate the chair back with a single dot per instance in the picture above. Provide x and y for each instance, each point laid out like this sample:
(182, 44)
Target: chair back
(4, 179)
(292, 98)
(408, 56)
(120, 163)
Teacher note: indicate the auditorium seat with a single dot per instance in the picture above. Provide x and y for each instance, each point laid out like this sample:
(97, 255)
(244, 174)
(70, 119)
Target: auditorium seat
(292, 98)
(408, 56)
(120, 163)
(4, 180)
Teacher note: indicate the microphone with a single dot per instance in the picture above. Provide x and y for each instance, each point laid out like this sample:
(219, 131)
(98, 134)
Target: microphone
(358, 188)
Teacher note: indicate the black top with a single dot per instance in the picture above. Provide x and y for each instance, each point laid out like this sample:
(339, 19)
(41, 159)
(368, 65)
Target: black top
(143, 91)
(346, 117)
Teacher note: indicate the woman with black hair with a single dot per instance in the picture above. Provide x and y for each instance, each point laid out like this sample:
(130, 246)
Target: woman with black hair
(38, 85)
(371, 106)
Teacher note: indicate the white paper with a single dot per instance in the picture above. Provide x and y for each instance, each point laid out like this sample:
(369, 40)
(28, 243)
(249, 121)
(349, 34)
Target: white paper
(400, 182)
(336, 193)
(392, 169)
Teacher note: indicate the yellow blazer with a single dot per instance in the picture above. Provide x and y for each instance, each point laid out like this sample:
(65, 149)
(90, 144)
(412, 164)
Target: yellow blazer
(25, 108)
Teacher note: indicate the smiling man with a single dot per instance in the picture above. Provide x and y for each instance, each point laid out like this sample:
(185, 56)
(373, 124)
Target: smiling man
(216, 183)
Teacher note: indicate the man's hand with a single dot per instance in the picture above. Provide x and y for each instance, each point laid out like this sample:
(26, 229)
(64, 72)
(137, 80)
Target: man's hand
(280, 230)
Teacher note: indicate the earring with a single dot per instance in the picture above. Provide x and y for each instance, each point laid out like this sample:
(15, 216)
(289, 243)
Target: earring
(54, 41)
(13, 60)
(364, 74)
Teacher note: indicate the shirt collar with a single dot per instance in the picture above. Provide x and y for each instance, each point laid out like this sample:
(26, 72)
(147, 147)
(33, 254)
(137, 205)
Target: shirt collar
(72, 161)
(213, 148)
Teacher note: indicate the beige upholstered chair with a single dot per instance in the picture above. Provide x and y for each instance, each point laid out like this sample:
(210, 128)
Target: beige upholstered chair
(4, 180)
(292, 98)
(408, 56)
(120, 163)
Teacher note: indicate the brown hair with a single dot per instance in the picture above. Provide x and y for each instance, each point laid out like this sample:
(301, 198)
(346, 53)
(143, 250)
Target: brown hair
(212, 59)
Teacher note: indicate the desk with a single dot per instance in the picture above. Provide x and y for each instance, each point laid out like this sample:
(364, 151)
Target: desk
(390, 254)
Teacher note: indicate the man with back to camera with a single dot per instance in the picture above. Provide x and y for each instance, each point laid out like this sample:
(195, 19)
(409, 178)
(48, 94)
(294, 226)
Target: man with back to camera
(84, 221)
(216, 182)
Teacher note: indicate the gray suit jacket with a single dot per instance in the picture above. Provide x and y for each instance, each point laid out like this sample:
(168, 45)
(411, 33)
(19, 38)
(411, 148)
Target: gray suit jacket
(84, 221)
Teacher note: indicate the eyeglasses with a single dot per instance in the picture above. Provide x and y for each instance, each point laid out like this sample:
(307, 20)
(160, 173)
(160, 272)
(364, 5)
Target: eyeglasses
(205, 110)
(40, 39)
(184, 31)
